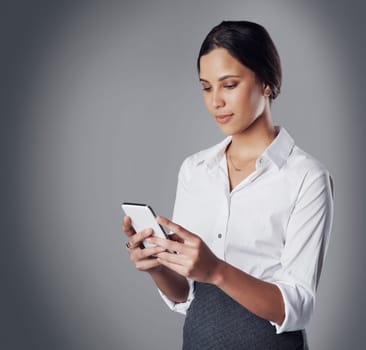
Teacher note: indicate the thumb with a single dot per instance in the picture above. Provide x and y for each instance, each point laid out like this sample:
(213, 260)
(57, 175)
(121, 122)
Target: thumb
(178, 232)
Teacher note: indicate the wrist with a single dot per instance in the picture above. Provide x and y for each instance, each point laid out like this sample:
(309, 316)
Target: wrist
(157, 270)
(218, 273)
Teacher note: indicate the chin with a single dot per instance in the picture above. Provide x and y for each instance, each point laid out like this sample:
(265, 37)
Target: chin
(228, 130)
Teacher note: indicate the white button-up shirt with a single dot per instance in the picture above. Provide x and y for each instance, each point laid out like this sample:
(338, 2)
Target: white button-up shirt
(274, 225)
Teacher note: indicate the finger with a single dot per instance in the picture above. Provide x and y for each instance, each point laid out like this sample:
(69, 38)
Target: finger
(127, 226)
(177, 229)
(167, 244)
(147, 253)
(175, 237)
(148, 264)
(136, 239)
(178, 259)
(174, 267)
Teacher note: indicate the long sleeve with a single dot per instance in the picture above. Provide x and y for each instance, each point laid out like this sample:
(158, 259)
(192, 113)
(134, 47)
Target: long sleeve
(307, 238)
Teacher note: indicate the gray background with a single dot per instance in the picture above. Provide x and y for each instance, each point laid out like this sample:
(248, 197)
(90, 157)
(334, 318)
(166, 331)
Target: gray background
(100, 104)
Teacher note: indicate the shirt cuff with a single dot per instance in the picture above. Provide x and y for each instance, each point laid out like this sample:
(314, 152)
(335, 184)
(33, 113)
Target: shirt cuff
(180, 307)
(299, 306)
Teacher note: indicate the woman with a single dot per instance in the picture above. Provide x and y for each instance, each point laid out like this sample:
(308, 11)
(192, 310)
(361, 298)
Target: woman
(252, 216)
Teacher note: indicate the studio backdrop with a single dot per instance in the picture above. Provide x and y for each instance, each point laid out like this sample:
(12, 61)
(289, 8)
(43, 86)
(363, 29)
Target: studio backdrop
(101, 104)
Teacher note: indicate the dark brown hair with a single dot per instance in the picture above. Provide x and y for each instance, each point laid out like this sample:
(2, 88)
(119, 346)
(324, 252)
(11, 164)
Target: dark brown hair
(252, 46)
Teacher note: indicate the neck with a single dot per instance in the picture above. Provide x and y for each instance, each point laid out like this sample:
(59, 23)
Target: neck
(250, 143)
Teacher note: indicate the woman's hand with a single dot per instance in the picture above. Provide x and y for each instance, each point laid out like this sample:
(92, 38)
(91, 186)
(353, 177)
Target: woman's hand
(143, 258)
(193, 258)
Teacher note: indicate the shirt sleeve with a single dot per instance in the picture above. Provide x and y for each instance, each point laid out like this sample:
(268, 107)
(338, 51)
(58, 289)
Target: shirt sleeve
(307, 238)
(180, 307)
(178, 214)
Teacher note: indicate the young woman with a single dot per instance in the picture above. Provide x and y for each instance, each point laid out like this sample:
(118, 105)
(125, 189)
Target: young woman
(252, 216)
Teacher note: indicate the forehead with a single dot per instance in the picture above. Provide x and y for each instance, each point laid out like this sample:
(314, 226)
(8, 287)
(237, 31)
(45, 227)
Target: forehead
(219, 62)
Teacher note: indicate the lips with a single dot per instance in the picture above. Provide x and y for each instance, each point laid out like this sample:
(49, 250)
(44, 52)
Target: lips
(223, 118)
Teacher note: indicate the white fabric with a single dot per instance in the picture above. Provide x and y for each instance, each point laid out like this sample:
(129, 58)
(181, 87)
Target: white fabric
(274, 225)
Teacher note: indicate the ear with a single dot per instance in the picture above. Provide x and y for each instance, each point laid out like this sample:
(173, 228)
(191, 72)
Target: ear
(266, 90)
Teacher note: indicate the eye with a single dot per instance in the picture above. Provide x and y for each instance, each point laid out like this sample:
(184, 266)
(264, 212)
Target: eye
(206, 88)
(230, 85)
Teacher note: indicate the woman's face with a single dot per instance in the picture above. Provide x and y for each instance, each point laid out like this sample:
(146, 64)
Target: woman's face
(232, 93)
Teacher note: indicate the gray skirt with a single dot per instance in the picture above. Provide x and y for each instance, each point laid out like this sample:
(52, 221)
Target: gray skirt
(215, 321)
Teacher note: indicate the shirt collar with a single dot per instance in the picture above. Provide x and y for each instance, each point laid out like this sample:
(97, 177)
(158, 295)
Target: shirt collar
(280, 148)
(278, 151)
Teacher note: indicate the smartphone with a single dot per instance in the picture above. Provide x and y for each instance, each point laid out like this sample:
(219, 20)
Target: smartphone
(143, 217)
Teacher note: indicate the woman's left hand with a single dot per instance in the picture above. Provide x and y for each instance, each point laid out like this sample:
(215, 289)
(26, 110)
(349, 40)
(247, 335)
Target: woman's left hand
(193, 258)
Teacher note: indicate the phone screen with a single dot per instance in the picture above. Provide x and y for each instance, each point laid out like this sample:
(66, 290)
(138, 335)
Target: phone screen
(143, 217)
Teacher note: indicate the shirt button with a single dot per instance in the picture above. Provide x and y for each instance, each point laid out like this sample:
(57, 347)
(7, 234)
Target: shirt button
(219, 235)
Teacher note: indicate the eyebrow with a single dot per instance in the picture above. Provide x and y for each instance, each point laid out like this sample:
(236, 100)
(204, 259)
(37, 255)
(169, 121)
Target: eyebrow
(222, 78)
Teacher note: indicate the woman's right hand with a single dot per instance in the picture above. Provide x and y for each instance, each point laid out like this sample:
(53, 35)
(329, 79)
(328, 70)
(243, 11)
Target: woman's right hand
(144, 259)
(174, 286)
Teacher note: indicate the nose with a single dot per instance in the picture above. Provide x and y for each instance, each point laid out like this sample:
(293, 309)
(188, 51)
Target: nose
(217, 100)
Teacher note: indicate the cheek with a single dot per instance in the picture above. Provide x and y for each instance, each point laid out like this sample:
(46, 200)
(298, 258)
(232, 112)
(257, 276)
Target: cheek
(259, 104)
(255, 101)
(239, 100)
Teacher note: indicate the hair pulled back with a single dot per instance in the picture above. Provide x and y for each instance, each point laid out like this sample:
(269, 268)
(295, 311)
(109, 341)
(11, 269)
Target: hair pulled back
(252, 46)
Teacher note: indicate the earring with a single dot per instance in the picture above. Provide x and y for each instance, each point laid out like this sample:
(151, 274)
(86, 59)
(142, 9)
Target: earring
(267, 92)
